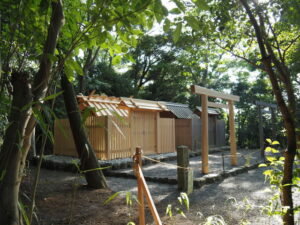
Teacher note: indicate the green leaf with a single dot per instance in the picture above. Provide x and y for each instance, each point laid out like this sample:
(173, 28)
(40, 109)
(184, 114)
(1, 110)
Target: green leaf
(180, 5)
(23, 212)
(128, 198)
(275, 143)
(268, 149)
(268, 172)
(271, 158)
(177, 32)
(201, 4)
(111, 198)
(185, 200)
(52, 58)
(116, 60)
(52, 96)
(269, 140)
(169, 210)
(193, 22)
(175, 11)
(262, 165)
(166, 26)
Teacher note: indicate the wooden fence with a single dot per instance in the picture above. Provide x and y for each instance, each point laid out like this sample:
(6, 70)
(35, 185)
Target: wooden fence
(113, 137)
(188, 132)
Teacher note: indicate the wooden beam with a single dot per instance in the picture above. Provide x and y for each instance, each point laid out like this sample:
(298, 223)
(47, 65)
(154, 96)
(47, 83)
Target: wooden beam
(217, 105)
(232, 135)
(139, 173)
(150, 201)
(212, 93)
(261, 133)
(204, 130)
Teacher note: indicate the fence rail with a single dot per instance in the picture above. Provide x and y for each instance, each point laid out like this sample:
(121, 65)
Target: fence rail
(143, 190)
(113, 137)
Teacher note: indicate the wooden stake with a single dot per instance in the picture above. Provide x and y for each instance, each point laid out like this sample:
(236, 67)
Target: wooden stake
(232, 134)
(138, 164)
(204, 121)
(149, 198)
(261, 133)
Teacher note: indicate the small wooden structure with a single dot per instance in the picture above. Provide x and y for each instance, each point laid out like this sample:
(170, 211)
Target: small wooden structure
(188, 126)
(116, 125)
(205, 93)
(216, 127)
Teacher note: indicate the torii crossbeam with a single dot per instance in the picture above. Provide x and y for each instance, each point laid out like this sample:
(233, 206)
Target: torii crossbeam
(205, 93)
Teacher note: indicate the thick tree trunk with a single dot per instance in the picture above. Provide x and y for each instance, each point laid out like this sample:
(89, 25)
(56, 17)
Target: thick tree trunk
(11, 153)
(88, 159)
(18, 135)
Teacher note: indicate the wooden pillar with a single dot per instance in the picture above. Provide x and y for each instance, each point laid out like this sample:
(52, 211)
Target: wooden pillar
(158, 134)
(232, 134)
(273, 118)
(204, 131)
(185, 177)
(138, 155)
(261, 133)
(107, 132)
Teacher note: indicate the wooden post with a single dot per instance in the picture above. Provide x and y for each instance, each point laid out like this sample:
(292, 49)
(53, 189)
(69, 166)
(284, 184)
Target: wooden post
(158, 143)
(204, 131)
(107, 131)
(273, 118)
(261, 133)
(138, 161)
(185, 177)
(232, 134)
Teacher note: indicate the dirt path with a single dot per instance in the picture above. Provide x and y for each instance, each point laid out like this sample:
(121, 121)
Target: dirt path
(62, 199)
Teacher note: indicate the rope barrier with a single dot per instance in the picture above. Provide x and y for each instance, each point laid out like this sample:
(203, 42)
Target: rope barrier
(169, 164)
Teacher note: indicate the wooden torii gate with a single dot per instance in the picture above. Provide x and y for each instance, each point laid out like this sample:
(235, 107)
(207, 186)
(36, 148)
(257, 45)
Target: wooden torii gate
(272, 107)
(205, 93)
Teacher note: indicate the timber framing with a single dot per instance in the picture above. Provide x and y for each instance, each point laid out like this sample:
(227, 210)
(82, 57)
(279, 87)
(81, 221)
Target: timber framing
(205, 93)
(212, 93)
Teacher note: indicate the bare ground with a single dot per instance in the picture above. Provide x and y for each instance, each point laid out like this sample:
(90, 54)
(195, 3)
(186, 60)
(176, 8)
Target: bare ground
(63, 199)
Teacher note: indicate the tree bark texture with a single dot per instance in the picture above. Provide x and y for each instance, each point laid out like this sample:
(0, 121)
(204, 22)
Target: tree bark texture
(287, 109)
(21, 123)
(11, 154)
(88, 159)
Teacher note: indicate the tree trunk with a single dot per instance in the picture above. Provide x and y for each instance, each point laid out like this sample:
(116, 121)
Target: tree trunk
(287, 111)
(88, 159)
(21, 123)
(11, 154)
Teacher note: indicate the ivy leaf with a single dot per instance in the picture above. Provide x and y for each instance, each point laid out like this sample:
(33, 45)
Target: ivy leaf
(177, 32)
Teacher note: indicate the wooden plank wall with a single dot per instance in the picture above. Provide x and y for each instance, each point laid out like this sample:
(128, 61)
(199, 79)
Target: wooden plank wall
(63, 138)
(167, 135)
(96, 133)
(196, 134)
(114, 138)
(220, 133)
(183, 132)
(119, 138)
